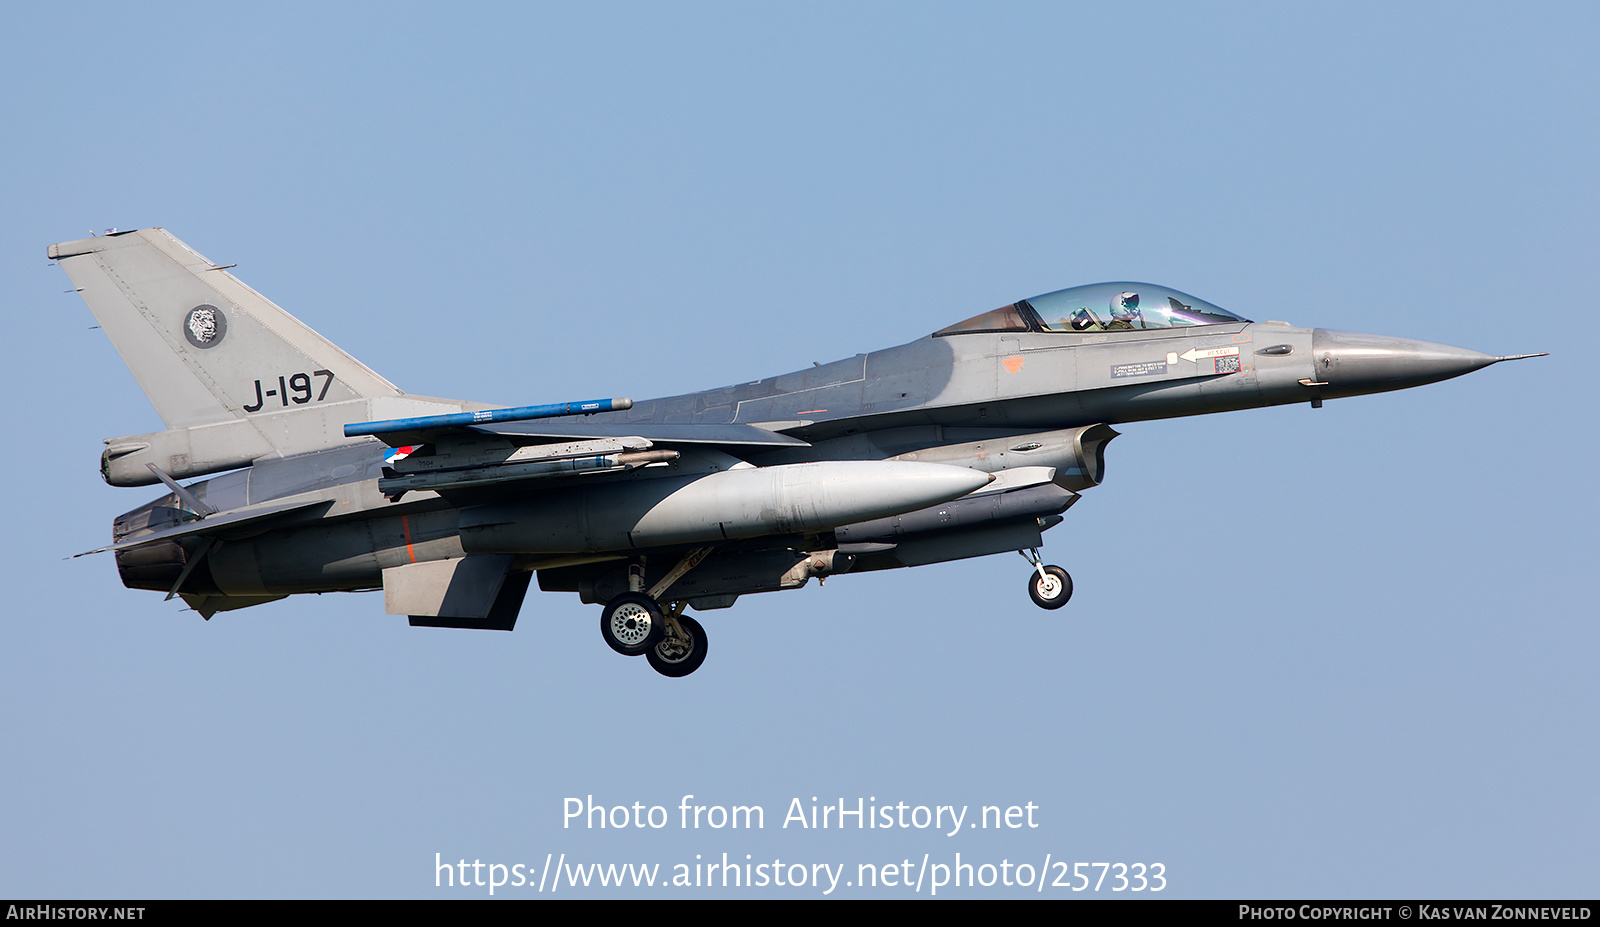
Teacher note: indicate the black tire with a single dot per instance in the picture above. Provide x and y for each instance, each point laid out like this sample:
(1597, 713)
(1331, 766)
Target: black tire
(632, 624)
(673, 657)
(1052, 590)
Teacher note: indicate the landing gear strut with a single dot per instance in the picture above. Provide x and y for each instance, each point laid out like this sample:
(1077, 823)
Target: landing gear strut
(1050, 586)
(634, 622)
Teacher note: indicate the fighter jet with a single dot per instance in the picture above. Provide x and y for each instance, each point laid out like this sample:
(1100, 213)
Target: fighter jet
(323, 476)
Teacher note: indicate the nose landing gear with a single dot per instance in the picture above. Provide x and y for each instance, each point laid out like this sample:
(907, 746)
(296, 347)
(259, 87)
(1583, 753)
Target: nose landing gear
(1050, 586)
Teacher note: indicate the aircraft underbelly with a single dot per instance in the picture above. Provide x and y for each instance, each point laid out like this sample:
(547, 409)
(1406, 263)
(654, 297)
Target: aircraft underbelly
(739, 503)
(341, 554)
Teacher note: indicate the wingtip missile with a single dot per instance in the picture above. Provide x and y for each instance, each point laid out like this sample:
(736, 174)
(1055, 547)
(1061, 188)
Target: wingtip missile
(485, 417)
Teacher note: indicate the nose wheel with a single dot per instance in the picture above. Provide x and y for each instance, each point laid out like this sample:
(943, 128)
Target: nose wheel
(1050, 586)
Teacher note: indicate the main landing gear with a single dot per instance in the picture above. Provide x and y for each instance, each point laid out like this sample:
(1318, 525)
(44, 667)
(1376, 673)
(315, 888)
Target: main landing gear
(683, 649)
(1050, 586)
(634, 624)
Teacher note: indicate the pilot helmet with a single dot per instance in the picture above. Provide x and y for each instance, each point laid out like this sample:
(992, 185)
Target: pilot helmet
(1125, 307)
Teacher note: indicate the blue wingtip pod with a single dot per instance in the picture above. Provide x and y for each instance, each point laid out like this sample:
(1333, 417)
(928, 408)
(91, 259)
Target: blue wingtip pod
(487, 416)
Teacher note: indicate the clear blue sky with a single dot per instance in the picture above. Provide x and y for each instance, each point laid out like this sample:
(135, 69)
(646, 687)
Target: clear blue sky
(1346, 652)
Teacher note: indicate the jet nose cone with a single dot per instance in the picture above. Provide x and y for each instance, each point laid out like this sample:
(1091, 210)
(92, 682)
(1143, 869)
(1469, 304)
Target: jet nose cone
(1353, 363)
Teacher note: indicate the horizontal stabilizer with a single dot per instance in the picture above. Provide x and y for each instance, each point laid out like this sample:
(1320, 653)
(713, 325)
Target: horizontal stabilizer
(214, 525)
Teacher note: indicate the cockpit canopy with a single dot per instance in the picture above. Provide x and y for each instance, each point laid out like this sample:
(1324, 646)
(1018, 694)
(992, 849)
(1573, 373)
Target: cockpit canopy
(1098, 307)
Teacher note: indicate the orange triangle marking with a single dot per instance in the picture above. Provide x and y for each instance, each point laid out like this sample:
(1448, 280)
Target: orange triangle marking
(1013, 364)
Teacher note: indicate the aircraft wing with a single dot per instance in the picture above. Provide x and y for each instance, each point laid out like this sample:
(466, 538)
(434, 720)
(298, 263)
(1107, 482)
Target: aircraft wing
(684, 433)
(439, 453)
(517, 423)
(223, 522)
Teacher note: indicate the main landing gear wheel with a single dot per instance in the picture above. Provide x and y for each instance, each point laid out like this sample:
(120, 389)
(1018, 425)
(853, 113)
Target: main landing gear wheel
(632, 624)
(1051, 587)
(679, 655)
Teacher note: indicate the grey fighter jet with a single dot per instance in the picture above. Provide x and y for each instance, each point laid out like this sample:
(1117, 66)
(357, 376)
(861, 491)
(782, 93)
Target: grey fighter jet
(323, 476)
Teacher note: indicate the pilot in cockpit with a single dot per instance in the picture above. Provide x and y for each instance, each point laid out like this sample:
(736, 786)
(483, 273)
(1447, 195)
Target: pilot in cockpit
(1124, 312)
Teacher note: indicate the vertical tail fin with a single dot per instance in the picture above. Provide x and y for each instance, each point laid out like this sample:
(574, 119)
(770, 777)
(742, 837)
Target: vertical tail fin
(204, 347)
